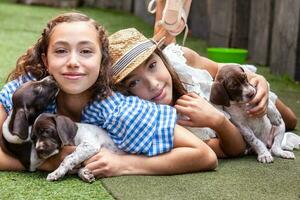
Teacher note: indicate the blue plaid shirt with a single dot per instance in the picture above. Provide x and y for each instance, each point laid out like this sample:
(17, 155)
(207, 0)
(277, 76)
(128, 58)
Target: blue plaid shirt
(136, 126)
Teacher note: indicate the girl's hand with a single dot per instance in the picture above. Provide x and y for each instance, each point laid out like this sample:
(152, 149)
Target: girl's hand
(259, 103)
(197, 112)
(105, 164)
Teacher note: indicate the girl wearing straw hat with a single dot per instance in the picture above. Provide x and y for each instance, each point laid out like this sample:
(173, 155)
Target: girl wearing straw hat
(140, 68)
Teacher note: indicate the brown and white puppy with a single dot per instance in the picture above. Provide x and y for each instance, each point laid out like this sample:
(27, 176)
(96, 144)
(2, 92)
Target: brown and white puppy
(28, 102)
(232, 90)
(51, 132)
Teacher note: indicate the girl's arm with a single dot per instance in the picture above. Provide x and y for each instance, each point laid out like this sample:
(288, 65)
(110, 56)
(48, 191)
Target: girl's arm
(7, 162)
(189, 154)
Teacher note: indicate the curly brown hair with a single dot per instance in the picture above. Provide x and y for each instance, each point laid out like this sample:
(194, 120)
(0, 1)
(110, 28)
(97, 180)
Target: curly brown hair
(178, 89)
(31, 62)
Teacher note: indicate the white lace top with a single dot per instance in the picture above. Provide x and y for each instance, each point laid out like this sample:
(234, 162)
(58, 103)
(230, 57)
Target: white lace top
(194, 80)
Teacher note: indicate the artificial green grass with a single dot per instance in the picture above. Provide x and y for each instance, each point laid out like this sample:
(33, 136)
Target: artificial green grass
(25, 185)
(241, 178)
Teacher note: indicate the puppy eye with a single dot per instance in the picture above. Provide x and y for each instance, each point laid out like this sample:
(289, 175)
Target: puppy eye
(233, 84)
(33, 137)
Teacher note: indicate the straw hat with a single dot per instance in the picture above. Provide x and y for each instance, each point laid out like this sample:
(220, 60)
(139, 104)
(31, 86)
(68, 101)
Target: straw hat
(128, 49)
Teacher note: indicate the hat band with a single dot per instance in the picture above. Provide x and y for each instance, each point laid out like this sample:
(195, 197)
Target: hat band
(131, 55)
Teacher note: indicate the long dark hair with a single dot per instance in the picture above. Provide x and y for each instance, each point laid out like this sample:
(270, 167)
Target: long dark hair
(31, 61)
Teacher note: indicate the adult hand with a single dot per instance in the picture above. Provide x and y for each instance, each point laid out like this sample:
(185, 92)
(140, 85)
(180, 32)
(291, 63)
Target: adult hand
(259, 103)
(105, 164)
(197, 112)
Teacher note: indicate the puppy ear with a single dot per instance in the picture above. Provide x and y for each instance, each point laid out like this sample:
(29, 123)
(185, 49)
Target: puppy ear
(218, 95)
(66, 129)
(18, 124)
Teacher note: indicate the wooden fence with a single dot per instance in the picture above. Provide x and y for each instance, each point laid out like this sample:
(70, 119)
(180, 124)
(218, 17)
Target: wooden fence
(269, 29)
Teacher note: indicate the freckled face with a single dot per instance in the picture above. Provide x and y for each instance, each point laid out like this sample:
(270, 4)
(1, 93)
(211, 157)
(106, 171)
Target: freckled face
(74, 56)
(151, 81)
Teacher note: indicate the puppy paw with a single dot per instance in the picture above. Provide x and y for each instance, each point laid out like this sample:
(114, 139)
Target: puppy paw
(287, 155)
(265, 158)
(86, 175)
(54, 176)
(278, 152)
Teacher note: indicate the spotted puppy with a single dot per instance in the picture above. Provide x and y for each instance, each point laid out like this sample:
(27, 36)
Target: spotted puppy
(28, 101)
(51, 132)
(232, 90)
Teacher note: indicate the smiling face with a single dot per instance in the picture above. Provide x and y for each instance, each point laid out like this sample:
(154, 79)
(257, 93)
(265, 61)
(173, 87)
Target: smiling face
(151, 81)
(74, 56)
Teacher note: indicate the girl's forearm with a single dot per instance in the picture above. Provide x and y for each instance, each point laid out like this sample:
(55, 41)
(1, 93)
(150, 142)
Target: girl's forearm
(231, 141)
(189, 154)
(9, 163)
(177, 161)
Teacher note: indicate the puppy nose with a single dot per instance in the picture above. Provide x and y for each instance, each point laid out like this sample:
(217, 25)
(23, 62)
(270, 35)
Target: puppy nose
(40, 151)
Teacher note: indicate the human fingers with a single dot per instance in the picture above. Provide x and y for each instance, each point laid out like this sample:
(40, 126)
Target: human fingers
(190, 99)
(193, 95)
(182, 109)
(259, 96)
(183, 103)
(187, 116)
(94, 158)
(100, 173)
(262, 88)
(260, 107)
(189, 96)
(184, 122)
(257, 111)
(98, 164)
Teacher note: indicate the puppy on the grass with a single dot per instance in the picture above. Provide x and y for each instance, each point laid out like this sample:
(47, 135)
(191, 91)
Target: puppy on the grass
(29, 100)
(232, 90)
(51, 132)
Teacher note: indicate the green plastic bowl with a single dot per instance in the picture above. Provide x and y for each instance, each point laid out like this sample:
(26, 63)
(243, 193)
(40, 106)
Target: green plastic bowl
(227, 55)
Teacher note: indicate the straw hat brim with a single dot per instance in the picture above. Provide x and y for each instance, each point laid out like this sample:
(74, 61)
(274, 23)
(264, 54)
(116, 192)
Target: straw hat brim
(135, 63)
